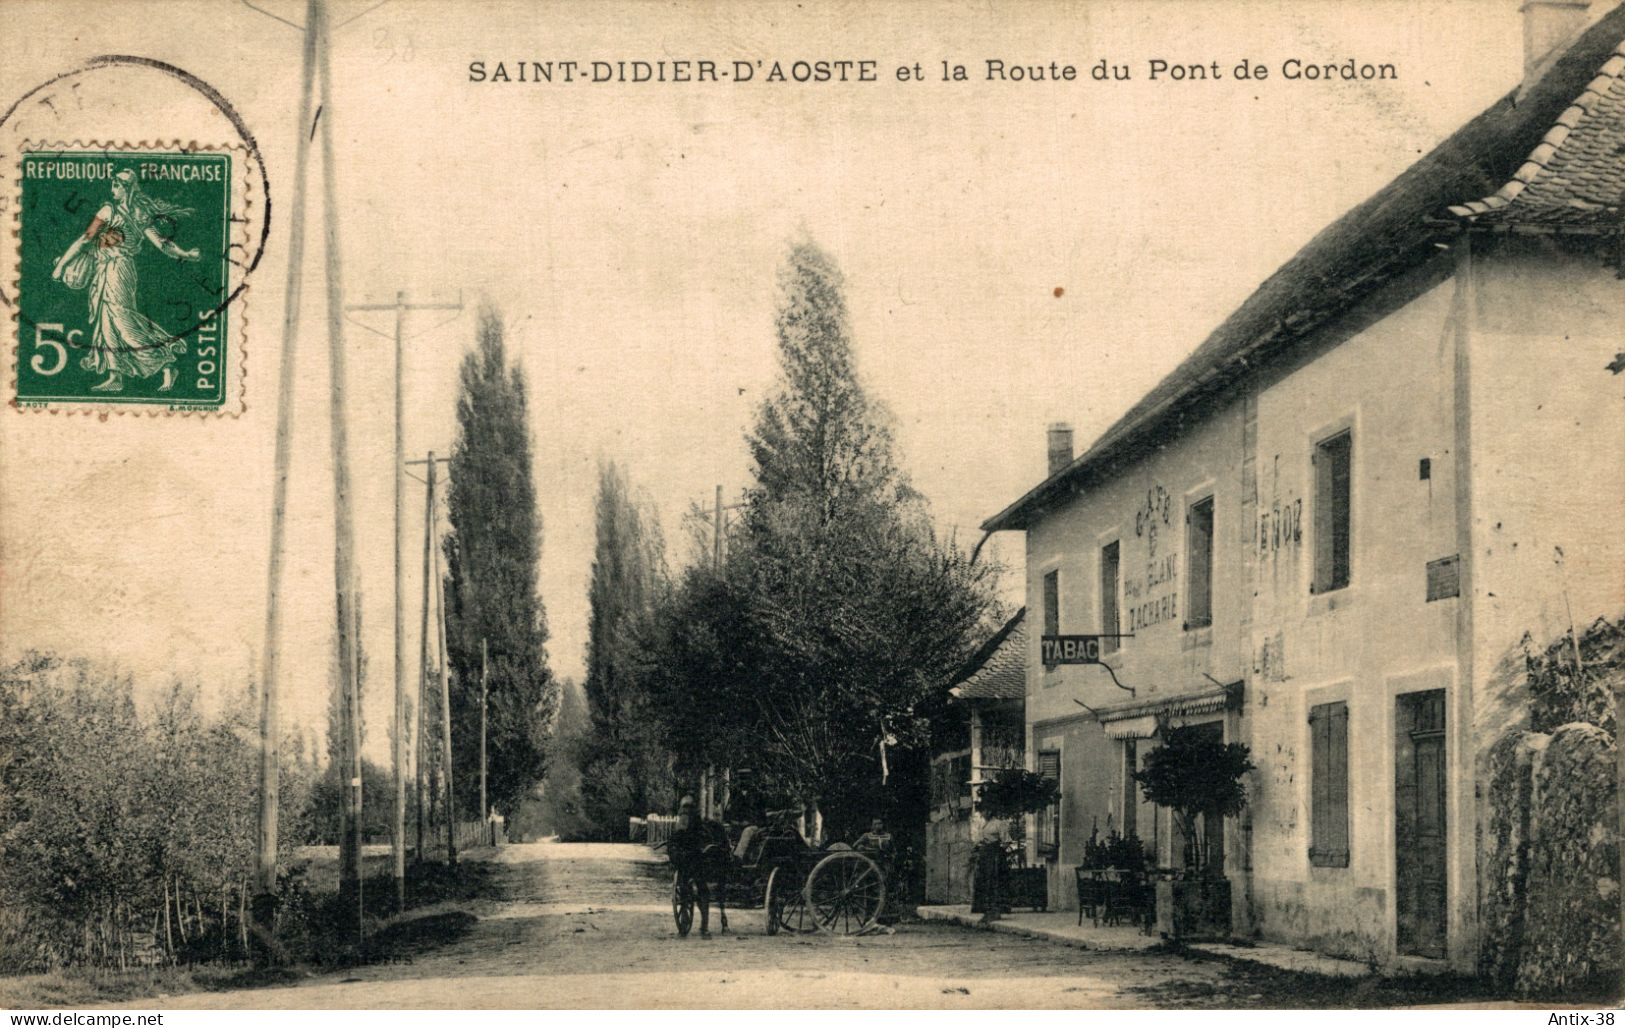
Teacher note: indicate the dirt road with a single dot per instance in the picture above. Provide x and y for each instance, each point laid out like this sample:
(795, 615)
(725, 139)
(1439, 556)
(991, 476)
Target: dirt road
(589, 925)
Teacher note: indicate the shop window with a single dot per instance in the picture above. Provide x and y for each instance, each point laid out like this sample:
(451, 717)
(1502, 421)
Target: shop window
(1332, 512)
(1329, 784)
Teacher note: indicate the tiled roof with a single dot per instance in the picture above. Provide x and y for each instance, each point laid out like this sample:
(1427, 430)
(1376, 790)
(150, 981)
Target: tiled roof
(998, 671)
(1577, 173)
(1390, 235)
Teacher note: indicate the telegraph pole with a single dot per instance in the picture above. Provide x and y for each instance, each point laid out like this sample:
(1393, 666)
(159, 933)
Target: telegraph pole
(423, 654)
(485, 677)
(316, 58)
(716, 534)
(357, 835)
(265, 876)
(445, 707)
(343, 525)
(708, 777)
(398, 743)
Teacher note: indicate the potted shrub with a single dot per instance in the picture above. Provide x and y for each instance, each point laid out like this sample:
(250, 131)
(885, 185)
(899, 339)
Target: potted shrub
(1195, 775)
(999, 874)
(1116, 850)
(1111, 879)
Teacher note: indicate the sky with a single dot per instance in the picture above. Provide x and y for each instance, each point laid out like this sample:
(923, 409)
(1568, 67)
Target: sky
(1015, 253)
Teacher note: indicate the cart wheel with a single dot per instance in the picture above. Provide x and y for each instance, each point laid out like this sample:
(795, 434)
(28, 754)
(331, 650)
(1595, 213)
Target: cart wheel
(845, 892)
(786, 905)
(682, 905)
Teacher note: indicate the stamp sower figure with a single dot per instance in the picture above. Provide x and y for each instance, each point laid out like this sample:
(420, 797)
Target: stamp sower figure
(697, 852)
(123, 341)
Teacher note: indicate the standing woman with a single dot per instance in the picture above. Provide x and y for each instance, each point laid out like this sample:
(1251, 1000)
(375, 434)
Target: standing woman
(123, 341)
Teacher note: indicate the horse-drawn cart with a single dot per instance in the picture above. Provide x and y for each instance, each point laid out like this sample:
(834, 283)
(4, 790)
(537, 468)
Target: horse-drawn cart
(804, 889)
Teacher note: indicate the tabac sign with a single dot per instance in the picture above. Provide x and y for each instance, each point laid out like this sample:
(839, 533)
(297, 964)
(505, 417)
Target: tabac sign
(1073, 649)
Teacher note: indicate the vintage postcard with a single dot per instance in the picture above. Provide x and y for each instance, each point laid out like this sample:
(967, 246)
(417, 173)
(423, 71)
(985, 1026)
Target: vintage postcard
(891, 506)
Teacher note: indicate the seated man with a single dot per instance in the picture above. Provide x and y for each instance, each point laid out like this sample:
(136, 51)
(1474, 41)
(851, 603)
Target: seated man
(876, 842)
(699, 851)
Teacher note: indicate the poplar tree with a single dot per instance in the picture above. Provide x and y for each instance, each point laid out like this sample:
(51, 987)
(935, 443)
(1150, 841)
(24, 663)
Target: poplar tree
(492, 555)
(625, 767)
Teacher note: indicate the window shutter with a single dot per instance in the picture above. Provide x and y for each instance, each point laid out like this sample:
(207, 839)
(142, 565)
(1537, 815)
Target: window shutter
(1340, 513)
(1323, 524)
(1049, 765)
(1049, 835)
(1337, 826)
(1052, 605)
(1329, 782)
(1332, 461)
(1199, 564)
(1109, 565)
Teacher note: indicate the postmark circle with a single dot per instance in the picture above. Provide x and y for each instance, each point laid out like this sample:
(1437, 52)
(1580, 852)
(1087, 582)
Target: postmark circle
(218, 101)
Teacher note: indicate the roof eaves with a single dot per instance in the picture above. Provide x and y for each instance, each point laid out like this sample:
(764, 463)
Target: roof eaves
(987, 649)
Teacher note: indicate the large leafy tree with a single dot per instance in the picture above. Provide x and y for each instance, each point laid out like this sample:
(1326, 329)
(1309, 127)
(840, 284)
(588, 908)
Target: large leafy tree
(492, 554)
(818, 654)
(625, 766)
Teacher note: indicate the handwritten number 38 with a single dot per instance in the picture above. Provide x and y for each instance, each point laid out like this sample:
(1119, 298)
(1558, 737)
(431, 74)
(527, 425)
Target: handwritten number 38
(402, 52)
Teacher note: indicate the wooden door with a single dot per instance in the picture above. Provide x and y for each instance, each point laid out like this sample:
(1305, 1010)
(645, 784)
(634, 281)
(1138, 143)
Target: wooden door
(1419, 806)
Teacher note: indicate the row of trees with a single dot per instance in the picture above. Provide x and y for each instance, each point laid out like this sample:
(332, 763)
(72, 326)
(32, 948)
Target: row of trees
(128, 829)
(813, 661)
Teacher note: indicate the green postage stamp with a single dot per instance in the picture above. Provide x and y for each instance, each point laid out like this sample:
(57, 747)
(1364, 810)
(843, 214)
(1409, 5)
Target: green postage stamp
(125, 291)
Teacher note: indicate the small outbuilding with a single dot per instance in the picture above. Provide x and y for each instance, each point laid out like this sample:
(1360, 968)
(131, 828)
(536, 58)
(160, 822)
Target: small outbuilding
(989, 731)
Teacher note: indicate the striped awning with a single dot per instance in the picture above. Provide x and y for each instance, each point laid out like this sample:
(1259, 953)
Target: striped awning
(1142, 727)
(1137, 718)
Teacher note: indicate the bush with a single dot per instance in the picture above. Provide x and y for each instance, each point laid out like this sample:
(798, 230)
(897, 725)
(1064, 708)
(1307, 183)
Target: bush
(1125, 852)
(1015, 792)
(127, 835)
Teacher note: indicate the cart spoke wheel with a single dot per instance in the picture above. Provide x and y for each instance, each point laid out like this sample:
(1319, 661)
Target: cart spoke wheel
(682, 905)
(845, 892)
(786, 905)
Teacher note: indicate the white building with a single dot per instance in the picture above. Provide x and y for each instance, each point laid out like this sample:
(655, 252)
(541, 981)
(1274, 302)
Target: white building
(1331, 527)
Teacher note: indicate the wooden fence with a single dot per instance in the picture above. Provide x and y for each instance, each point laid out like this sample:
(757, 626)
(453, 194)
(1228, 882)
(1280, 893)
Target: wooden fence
(470, 834)
(659, 829)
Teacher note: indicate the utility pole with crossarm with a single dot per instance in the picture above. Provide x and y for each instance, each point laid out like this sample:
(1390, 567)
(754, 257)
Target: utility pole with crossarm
(398, 742)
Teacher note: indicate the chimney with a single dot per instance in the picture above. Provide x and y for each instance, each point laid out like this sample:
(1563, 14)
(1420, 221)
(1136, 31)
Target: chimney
(1547, 26)
(1060, 446)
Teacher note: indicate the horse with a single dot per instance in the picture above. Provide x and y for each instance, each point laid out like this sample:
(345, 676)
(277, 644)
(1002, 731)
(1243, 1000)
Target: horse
(702, 856)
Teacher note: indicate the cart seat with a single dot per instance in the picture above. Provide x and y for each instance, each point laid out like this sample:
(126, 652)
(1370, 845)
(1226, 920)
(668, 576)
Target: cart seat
(749, 850)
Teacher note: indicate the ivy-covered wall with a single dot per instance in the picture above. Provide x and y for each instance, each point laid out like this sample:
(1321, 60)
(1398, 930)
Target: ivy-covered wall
(1550, 903)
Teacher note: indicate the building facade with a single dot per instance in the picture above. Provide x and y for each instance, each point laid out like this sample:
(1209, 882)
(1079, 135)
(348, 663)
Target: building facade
(1330, 532)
